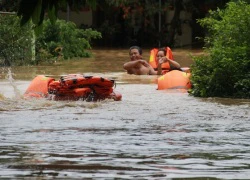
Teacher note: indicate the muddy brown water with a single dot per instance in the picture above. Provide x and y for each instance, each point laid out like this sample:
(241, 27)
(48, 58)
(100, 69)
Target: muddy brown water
(150, 134)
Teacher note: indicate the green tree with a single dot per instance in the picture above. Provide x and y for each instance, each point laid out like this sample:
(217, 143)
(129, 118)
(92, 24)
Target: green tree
(15, 41)
(64, 40)
(224, 71)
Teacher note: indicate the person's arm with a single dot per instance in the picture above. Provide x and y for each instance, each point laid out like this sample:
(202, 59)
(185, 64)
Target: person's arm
(159, 68)
(134, 64)
(129, 67)
(172, 63)
(151, 69)
(131, 64)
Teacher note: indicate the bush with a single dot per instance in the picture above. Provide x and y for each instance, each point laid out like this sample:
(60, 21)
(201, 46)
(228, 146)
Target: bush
(15, 41)
(225, 71)
(63, 39)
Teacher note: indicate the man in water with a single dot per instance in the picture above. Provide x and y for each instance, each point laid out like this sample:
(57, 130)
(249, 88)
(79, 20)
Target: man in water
(137, 65)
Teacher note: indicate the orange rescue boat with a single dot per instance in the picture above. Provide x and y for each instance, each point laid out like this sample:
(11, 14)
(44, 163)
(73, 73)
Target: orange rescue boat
(72, 87)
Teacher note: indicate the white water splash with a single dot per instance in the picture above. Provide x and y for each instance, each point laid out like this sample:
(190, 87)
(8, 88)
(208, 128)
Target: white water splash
(11, 80)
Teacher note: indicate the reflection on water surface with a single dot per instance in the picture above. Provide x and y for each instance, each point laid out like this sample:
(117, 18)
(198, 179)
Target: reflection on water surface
(150, 134)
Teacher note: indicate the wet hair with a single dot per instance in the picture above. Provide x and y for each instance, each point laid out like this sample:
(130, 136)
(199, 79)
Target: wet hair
(164, 50)
(136, 47)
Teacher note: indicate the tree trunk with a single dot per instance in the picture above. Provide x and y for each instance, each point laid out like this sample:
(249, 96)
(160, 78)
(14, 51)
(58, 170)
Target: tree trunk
(174, 22)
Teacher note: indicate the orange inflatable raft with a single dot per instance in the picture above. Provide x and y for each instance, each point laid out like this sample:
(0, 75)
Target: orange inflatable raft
(72, 87)
(174, 79)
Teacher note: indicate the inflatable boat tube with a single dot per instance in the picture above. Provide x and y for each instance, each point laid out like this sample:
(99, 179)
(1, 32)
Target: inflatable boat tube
(174, 80)
(38, 88)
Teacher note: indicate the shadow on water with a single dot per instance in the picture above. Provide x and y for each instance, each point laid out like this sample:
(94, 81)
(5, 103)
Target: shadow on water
(150, 134)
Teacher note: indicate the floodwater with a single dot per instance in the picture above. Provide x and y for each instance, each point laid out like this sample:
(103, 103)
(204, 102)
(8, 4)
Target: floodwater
(150, 134)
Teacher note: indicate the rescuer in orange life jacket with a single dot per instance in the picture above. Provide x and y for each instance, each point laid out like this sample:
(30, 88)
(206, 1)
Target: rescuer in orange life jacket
(138, 66)
(169, 64)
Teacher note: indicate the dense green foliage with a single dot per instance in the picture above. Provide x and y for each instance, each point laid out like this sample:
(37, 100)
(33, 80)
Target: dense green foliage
(64, 40)
(15, 41)
(60, 40)
(224, 72)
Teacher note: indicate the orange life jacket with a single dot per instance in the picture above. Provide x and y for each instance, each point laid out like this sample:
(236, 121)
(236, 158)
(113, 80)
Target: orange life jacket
(152, 59)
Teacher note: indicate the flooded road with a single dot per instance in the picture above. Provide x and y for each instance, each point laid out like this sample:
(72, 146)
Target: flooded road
(150, 134)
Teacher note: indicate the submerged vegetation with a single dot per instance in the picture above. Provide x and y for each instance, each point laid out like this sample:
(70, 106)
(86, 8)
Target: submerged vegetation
(225, 71)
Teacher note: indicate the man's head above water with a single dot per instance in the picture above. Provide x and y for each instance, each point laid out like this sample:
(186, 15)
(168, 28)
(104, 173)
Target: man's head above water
(136, 47)
(135, 53)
